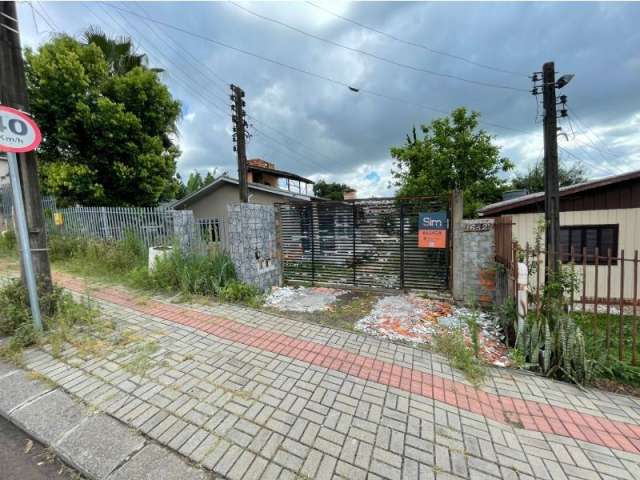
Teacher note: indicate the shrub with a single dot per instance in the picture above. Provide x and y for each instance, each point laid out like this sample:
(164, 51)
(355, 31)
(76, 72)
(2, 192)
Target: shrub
(189, 273)
(242, 293)
(60, 312)
(8, 242)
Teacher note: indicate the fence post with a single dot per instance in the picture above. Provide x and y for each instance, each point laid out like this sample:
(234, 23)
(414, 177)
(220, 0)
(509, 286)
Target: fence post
(457, 208)
(523, 302)
(105, 223)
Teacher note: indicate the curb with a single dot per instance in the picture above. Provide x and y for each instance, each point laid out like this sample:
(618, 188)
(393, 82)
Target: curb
(95, 444)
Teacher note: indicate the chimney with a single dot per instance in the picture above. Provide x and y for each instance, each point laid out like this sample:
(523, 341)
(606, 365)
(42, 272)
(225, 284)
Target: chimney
(350, 194)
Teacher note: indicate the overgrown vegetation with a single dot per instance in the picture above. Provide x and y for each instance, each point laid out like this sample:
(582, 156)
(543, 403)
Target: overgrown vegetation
(190, 273)
(61, 315)
(452, 345)
(8, 243)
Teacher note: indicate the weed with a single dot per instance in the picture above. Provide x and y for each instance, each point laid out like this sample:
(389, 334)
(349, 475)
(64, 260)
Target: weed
(452, 345)
(241, 293)
(142, 358)
(188, 273)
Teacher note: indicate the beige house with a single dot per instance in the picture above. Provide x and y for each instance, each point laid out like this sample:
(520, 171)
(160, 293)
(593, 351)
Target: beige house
(211, 201)
(601, 214)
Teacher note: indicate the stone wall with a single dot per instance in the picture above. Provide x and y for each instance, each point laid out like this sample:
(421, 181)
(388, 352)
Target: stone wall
(252, 243)
(479, 272)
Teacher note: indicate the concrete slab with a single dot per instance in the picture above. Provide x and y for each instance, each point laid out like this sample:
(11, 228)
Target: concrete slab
(98, 446)
(156, 463)
(49, 417)
(16, 389)
(6, 368)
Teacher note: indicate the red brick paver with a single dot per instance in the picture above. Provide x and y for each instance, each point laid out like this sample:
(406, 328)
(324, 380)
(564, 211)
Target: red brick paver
(531, 415)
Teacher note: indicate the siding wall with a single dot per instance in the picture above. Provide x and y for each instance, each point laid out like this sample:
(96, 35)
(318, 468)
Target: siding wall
(628, 220)
(215, 204)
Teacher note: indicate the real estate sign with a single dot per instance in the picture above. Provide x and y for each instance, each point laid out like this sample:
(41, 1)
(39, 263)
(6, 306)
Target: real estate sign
(432, 229)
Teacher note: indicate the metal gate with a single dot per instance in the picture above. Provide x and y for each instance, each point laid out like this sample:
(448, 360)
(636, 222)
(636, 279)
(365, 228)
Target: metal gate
(364, 243)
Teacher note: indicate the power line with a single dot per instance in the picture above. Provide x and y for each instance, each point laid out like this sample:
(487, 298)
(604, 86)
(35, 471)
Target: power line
(301, 70)
(418, 45)
(375, 56)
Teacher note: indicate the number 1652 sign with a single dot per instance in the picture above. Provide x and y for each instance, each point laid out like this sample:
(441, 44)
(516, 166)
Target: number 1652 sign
(18, 133)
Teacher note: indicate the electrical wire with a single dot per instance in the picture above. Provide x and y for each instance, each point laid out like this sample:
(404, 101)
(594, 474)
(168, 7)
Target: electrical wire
(417, 45)
(376, 56)
(300, 70)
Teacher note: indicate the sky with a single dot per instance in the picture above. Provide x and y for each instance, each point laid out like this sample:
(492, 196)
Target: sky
(319, 128)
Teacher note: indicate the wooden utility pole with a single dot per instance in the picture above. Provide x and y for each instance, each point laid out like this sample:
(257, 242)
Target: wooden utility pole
(239, 138)
(551, 181)
(13, 93)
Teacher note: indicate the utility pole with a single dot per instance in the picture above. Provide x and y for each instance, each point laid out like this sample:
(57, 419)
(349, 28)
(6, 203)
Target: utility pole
(551, 178)
(13, 93)
(240, 140)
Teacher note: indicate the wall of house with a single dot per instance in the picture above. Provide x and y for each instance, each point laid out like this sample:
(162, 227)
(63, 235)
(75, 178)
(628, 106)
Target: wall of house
(628, 221)
(252, 244)
(215, 204)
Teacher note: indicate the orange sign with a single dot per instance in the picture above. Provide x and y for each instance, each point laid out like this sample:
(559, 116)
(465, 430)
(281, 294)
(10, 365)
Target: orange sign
(432, 230)
(432, 239)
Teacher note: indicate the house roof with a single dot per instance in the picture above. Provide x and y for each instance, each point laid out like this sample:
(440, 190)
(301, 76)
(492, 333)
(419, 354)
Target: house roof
(507, 205)
(279, 173)
(218, 182)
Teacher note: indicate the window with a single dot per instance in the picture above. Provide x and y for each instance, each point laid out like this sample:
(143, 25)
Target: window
(602, 237)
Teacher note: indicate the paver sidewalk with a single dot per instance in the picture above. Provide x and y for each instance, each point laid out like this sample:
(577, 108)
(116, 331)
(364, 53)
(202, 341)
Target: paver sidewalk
(252, 395)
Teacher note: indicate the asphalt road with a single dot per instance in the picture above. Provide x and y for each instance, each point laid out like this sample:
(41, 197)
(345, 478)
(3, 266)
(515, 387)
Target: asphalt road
(19, 462)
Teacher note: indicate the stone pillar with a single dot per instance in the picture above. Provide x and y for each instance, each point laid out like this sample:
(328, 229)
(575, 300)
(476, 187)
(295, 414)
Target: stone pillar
(457, 260)
(183, 227)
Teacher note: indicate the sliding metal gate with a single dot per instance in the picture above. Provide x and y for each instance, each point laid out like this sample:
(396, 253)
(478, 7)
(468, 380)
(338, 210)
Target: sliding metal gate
(364, 243)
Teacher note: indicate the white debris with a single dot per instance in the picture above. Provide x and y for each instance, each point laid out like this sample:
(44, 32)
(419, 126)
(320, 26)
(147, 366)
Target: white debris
(303, 299)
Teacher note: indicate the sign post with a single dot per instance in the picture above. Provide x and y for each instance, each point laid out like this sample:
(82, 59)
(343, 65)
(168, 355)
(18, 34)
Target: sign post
(432, 229)
(19, 134)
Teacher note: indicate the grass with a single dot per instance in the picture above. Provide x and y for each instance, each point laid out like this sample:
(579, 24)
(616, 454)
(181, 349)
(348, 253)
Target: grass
(611, 372)
(452, 346)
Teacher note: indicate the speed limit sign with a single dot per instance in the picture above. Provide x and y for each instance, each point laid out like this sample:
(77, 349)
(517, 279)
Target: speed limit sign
(18, 133)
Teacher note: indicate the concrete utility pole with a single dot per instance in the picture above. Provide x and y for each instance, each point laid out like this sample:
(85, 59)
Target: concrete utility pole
(239, 138)
(551, 181)
(13, 93)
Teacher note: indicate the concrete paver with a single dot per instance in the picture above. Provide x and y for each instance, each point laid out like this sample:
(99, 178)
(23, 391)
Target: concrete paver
(253, 395)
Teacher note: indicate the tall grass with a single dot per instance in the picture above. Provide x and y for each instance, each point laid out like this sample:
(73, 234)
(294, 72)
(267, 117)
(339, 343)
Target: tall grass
(8, 243)
(189, 273)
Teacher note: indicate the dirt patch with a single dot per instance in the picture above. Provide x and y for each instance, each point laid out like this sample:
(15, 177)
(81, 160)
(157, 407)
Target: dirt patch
(340, 308)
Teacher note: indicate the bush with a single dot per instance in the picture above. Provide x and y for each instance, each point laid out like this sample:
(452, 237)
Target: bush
(241, 293)
(98, 256)
(59, 310)
(8, 242)
(189, 273)
(452, 345)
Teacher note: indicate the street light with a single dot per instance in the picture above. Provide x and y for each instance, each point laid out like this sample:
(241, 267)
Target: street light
(564, 79)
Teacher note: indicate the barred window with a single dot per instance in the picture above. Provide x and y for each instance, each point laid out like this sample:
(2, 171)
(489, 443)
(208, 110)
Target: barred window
(589, 237)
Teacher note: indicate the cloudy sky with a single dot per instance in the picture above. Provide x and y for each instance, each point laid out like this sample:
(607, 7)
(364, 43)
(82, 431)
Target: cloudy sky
(319, 128)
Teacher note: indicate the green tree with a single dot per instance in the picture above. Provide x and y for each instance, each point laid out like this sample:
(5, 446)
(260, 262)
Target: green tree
(107, 136)
(194, 182)
(330, 190)
(533, 180)
(452, 154)
(119, 52)
(209, 178)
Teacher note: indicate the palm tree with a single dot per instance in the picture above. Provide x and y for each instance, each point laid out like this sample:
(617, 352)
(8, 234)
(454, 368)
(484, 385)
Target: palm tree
(118, 51)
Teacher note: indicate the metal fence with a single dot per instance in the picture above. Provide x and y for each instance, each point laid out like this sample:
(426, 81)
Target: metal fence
(152, 226)
(613, 307)
(211, 232)
(6, 205)
(368, 243)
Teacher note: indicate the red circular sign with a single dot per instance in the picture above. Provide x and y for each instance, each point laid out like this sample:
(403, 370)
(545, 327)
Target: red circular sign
(18, 132)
